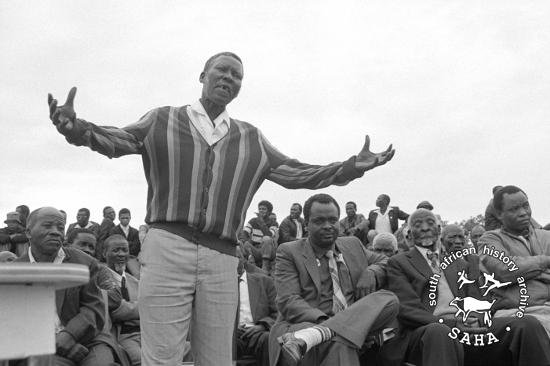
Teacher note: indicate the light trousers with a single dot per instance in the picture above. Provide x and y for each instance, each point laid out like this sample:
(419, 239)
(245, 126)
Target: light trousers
(184, 284)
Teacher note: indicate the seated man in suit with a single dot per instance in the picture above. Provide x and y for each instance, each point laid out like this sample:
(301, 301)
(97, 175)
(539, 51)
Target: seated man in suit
(79, 309)
(132, 236)
(428, 284)
(292, 227)
(257, 311)
(123, 291)
(326, 293)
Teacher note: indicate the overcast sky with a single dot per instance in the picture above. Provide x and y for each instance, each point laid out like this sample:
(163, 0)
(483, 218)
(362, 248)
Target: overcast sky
(461, 88)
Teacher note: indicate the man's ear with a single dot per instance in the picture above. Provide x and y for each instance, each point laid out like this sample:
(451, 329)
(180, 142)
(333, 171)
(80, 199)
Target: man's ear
(201, 77)
(28, 233)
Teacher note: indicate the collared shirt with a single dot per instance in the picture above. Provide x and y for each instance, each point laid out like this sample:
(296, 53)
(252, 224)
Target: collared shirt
(382, 224)
(60, 256)
(245, 311)
(125, 230)
(88, 225)
(117, 277)
(299, 230)
(444, 293)
(212, 131)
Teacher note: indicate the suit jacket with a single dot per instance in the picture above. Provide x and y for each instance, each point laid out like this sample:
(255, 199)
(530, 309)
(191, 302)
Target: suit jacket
(395, 215)
(298, 282)
(288, 230)
(81, 308)
(408, 277)
(133, 238)
(261, 293)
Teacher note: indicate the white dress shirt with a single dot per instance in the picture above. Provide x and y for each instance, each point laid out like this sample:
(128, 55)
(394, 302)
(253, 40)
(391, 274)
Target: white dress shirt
(382, 224)
(211, 131)
(245, 312)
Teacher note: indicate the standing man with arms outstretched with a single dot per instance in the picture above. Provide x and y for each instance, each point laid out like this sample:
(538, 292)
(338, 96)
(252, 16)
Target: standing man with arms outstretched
(202, 169)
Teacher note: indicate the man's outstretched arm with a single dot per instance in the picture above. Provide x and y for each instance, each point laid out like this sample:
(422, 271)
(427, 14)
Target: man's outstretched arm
(291, 173)
(109, 141)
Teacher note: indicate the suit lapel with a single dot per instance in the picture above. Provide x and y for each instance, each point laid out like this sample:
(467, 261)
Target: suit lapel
(419, 263)
(253, 292)
(310, 262)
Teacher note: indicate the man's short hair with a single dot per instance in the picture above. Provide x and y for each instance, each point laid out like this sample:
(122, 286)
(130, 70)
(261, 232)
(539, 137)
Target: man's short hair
(74, 233)
(105, 209)
(84, 209)
(297, 204)
(385, 197)
(499, 196)
(320, 198)
(123, 211)
(352, 203)
(267, 205)
(495, 189)
(211, 60)
(111, 238)
(23, 209)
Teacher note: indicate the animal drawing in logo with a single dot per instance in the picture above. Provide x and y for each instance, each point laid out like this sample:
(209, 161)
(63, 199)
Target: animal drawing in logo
(494, 283)
(464, 306)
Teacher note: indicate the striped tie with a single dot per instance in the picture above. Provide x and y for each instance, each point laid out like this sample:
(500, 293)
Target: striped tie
(338, 300)
(433, 257)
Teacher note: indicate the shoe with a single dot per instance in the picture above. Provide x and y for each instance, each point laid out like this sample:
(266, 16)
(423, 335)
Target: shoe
(292, 349)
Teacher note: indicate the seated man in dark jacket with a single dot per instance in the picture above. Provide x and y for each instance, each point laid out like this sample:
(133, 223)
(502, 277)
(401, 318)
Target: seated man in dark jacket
(326, 293)
(292, 227)
(80, 310)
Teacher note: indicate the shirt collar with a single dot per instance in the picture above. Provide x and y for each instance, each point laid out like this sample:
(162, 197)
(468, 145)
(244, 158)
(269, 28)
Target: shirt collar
(60, 256)
(198, 108)
(243, 277)
(117, 276)
(424, 251)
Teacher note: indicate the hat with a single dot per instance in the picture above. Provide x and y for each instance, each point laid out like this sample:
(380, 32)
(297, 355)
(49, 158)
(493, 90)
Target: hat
(13, 216)
(426, 205)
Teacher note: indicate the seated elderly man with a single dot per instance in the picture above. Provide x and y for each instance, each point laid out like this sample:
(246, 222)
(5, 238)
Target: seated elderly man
(123, 291)
(430, 289)
(80, 310)
(385, 243)
(326, 293)
(519, 254)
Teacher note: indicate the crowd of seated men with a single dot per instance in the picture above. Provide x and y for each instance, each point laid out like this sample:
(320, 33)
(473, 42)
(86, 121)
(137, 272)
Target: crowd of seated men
(318, 289)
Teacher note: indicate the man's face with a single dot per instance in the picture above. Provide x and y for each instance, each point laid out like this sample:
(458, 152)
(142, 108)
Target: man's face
(323, 224)
(82, 218)
(124, 219)
(424, 228)
(110, 213)
(262, 211)
(222, 81)
(454, 239)
(350, 210)
(295, 211)
(516, 212)
(385, 248)
(116, 254)
(381, 201)
(85, 242)
(46, 232)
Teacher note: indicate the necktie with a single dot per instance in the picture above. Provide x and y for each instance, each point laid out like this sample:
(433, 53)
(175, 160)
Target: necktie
(338, 299)
(124, 289)
(433, 257)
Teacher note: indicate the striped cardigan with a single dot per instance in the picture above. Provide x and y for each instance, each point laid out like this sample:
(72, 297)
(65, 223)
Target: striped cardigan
(208, 188)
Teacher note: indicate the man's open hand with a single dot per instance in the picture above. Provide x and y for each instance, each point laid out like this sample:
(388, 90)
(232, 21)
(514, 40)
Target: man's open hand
(367, 160)
(63, 117)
